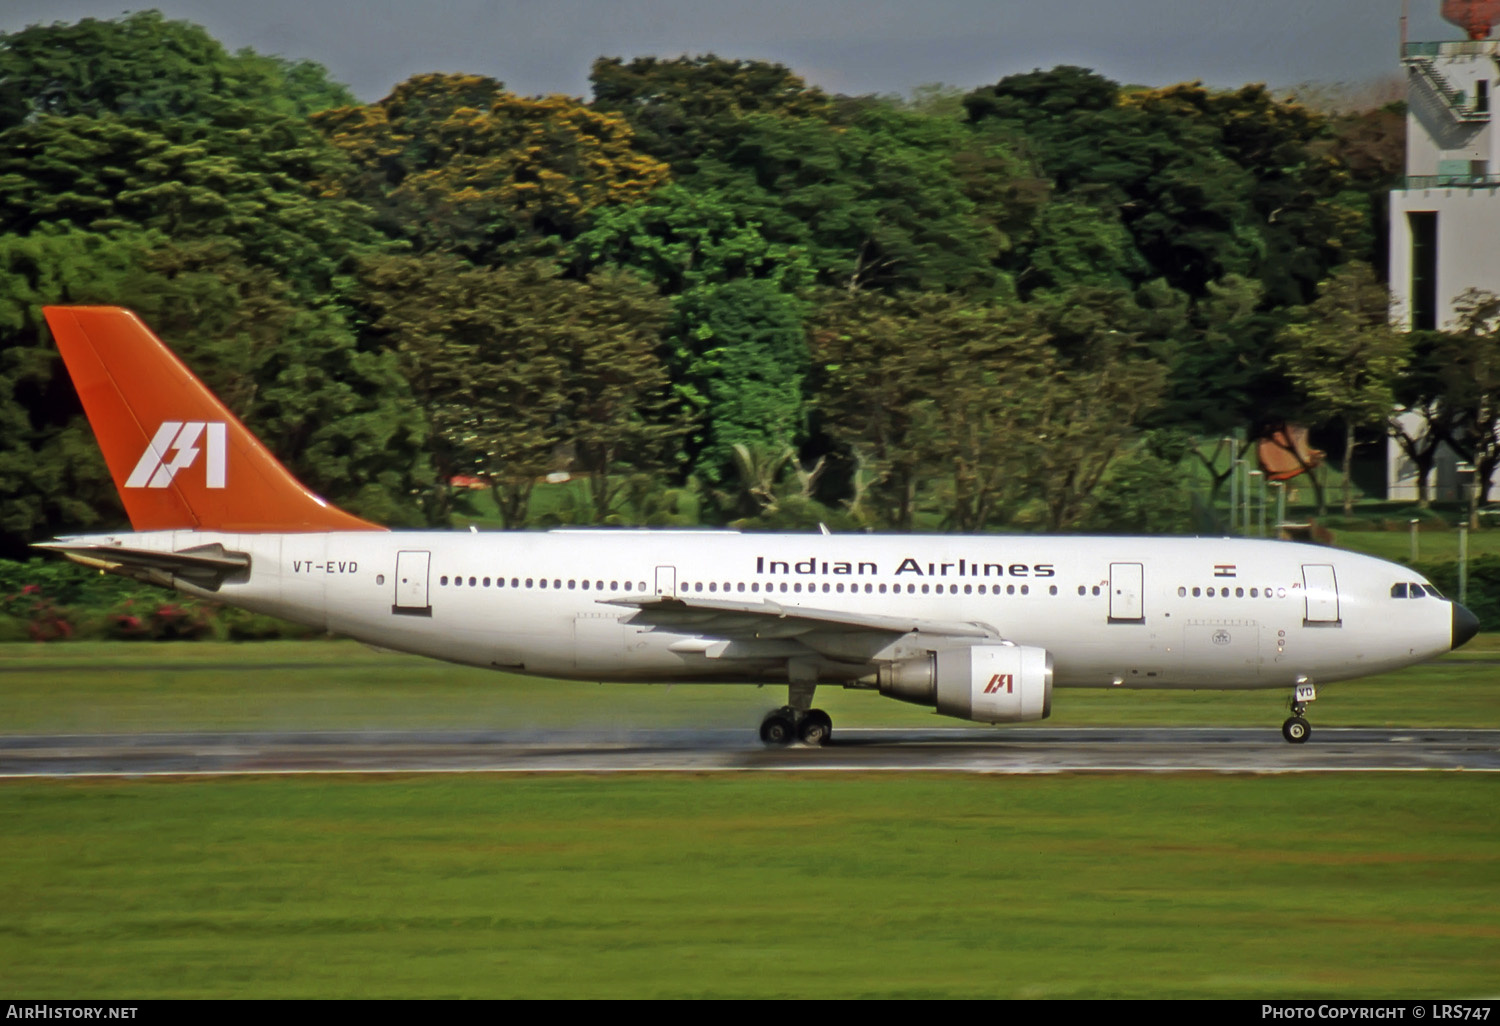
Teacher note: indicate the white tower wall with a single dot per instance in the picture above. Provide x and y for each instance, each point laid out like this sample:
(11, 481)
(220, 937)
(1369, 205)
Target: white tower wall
(1452, 186)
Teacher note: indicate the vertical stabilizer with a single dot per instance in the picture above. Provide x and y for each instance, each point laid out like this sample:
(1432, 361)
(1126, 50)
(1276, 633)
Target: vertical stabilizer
(179, 458)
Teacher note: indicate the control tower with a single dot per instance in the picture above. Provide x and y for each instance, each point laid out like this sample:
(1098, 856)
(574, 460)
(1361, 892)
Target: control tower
(1445, 216)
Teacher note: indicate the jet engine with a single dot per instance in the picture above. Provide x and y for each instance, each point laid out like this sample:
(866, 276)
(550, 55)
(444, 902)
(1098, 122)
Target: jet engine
(987, 683)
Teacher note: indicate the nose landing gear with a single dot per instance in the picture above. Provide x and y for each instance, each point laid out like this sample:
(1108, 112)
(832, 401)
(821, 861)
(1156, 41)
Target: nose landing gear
(1296, 729)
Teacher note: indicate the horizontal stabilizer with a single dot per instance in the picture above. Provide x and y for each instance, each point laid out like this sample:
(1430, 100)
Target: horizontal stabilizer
(207, 566)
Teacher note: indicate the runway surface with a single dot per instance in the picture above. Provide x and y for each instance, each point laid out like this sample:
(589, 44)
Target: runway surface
(953, 750)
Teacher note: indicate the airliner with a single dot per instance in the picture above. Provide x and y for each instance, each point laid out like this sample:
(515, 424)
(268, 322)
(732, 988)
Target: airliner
(980, 628)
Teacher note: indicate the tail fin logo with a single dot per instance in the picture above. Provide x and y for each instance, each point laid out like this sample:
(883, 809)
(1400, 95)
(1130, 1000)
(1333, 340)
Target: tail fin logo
(181, 442)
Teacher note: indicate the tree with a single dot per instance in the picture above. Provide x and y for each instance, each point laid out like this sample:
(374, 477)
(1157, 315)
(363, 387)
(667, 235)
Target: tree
(456, 164)
(145, 68)
(1207, 182)
(685, 108)
(1306, 219)
(921, 386)
(522, 373)
(1471, 384)
(737, 356)
(1088, 418)
(744, 353)
(869, 191)
(1077, 243)
(252, 190)
(875, 203)
(1107, 379)
(1346, 358)
(872, 356)
(339, 417)
(1430, 401)
(684, 239)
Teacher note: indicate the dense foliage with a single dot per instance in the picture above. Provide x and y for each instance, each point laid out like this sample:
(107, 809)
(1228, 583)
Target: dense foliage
(711, 292)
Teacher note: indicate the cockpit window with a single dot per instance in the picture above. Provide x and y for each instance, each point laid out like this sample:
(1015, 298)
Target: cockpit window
(1412, 589)
(1431, 591)
(1398, 590)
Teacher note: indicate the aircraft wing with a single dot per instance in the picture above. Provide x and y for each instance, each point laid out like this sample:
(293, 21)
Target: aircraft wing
(207, 566)
(723, 618)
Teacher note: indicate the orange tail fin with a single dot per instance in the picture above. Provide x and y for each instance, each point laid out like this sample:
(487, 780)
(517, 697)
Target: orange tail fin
(178, 457)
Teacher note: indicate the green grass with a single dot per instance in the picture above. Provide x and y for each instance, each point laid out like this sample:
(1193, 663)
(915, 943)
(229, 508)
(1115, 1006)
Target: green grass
(722, 885)
(758, 886)
(100, 687)
(1435, 546)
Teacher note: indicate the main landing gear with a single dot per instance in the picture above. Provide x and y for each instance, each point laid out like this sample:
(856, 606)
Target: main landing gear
(782, 726)
(1296, 729)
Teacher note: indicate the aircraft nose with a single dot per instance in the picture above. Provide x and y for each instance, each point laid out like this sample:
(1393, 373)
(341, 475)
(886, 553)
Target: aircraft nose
(1465, 625)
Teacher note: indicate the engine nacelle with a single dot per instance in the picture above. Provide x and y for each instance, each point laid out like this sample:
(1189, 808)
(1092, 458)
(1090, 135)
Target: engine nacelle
(987, 683)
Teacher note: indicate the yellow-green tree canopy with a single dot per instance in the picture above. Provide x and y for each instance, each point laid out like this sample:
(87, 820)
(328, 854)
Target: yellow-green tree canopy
(456, 164)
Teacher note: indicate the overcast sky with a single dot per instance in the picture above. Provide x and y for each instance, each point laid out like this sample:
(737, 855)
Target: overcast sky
(849, 46)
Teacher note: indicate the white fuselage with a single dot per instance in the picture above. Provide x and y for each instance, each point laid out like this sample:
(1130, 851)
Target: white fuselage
(1119, 611)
